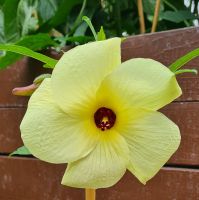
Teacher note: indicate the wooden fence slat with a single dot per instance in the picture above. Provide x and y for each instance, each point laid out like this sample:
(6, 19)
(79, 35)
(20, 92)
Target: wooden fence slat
(185, 114)
(168, 184)
(31, 179)
(165, 47)
(20, 74)
(23, 178)
(10, 119)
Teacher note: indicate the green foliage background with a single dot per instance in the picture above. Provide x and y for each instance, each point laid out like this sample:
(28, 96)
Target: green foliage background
(38, 24)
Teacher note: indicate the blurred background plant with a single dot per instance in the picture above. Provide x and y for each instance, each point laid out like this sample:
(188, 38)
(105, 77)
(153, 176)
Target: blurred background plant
(38, 24)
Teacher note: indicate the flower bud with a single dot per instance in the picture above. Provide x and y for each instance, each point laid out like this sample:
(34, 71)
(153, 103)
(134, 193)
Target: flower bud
(28, 90)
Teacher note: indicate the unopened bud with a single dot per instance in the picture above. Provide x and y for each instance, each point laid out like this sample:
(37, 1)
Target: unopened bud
(28, 90)
(25, 91)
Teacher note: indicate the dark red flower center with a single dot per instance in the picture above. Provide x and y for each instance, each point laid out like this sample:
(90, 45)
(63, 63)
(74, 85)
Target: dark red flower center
(104, 118)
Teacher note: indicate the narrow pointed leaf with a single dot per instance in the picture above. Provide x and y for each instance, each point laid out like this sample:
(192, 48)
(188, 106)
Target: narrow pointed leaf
(183, 60)
(35, 42)
(28, 52)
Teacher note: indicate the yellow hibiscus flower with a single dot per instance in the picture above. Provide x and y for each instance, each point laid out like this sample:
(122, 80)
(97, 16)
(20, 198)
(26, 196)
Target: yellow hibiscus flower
(100, 116)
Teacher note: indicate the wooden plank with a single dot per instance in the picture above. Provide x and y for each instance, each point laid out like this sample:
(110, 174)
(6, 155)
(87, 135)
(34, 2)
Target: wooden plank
(17, 75)
(20, 74)
(185, 114)
(10, 136)
(168, 184)
(166, 47)
(31, 179)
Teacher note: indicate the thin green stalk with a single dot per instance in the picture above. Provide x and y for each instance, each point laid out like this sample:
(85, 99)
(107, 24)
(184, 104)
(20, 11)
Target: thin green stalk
(181, 71)
(88, 21)
(183, 60)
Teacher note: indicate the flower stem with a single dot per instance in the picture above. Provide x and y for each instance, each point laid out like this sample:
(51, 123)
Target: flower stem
(141, 16)
(156, 14)
(88, 21)
(90, 194)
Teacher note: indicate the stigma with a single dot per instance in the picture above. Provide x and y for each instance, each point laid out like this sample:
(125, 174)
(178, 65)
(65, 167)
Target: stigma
(104, 118)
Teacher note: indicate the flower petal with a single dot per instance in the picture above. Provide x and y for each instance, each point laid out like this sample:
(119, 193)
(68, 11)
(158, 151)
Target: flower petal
(52, 135)
(79, 72)
(152, 140)
(103, 167)
(141, 83)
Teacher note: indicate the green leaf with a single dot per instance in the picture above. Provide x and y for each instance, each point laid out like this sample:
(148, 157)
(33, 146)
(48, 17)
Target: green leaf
(61, 14)
(89, 12)
(149, 6)
(21, 151)
(28, 52)
(47, 9)
(178, 5)
(79, 17)
(11, 30)
(88, 21)
(183, 60)
(81, 29)
(27, 16)
(34, 42)
(2, 2)
(63, 11)
(182, 71)
(177, 16)
(2, 38)
(101, 34)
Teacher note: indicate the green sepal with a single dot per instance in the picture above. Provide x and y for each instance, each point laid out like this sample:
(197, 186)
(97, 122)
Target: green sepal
(182, 71)
(40, 78)
(21, 151)
(101, 34)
